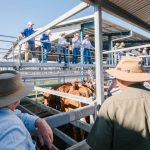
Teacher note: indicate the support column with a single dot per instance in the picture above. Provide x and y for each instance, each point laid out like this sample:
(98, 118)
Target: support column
(110, 48)
(99, 53)
(19, 58)
(81, 54)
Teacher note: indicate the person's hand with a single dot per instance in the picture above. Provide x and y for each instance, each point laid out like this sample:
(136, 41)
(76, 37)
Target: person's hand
(45, 133)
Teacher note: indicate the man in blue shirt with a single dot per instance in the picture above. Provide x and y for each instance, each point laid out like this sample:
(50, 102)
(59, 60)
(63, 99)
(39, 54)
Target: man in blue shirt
(46, 45)
(14, 125)
(30, 45)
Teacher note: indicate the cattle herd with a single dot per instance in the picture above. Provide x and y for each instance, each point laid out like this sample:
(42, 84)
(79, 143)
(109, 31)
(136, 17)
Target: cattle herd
(84, 88)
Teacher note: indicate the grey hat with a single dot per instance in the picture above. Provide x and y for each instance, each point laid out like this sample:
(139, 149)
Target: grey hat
(12, 88)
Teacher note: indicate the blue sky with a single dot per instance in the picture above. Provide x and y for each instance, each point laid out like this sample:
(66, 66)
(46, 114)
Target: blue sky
(16, 13)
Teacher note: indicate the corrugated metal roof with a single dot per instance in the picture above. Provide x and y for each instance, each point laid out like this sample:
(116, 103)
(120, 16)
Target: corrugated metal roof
(138, 8)
(135, 11)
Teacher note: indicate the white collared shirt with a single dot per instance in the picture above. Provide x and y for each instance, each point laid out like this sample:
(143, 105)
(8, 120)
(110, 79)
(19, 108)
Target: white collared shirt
(76, 43)
(87, 44)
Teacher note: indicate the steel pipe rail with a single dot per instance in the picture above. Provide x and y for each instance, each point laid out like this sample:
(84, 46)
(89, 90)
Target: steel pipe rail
(47, 77)
(56, 131)
(80, 146)
(64, 137)
(85, 126)
(65, 95)
(8, 36)
(67, 117)
(126, 49)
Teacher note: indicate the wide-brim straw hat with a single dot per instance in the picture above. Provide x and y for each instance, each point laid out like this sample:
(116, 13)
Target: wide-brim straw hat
(130, 69)
(62, 34)
(87, 36)
(12, 88)
(77, 34)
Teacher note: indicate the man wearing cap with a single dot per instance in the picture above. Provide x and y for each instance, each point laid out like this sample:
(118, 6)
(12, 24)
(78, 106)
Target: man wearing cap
(76, 44)
(123, 121)
(86, 44)
(30, 45)
(46, 45)
(14, 125)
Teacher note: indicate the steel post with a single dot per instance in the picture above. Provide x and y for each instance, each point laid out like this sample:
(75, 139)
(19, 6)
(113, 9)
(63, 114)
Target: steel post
(81, 53)
(110, 48)
(99, 53)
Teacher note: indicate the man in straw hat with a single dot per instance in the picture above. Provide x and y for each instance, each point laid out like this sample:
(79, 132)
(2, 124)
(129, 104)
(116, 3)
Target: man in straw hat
(30, 45)
(86, 44)
(62, 44)
(76, 44)
(14, 125)
(123, 122)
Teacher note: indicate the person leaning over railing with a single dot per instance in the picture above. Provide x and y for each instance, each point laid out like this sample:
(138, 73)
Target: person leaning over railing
(30, 45)
(14, 125)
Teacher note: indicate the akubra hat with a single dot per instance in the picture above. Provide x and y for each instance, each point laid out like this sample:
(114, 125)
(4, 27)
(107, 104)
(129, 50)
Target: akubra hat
(12, 88)
(130, 69)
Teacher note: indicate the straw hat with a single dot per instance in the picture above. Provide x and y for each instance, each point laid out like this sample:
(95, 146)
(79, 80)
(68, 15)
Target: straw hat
(87, 36)
(122, 44)
(117, 44)
(12, 88)
(77, 34)
(62, 34)
(130, 69)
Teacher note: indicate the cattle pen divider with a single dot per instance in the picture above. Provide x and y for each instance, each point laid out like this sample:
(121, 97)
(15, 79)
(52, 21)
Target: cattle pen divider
(62, 118)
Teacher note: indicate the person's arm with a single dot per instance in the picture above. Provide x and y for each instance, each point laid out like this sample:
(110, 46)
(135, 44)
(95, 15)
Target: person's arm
(101, 135)
(31, 122)
(74, 40)
(45, 133)
(28, 120)
(91, 46)
(22, 34)
(42, 38)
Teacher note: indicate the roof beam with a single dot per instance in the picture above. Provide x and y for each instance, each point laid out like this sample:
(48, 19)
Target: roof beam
(117, 33)
(119, 12)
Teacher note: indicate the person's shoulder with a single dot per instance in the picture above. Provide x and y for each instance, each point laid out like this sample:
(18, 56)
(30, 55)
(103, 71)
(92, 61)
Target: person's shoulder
(26, 29)
(113, 100)
(10, 120)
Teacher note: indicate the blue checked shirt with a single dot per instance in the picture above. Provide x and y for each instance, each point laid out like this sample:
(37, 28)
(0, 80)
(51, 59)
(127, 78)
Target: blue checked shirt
(14, 130)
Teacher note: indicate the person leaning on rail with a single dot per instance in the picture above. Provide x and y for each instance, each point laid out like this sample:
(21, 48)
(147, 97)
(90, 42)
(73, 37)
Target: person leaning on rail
(123, 121)
(30, 45)
(14, 125)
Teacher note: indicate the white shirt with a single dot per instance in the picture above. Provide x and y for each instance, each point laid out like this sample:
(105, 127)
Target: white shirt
(76, 43)
(87, 44)
(62, 41)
